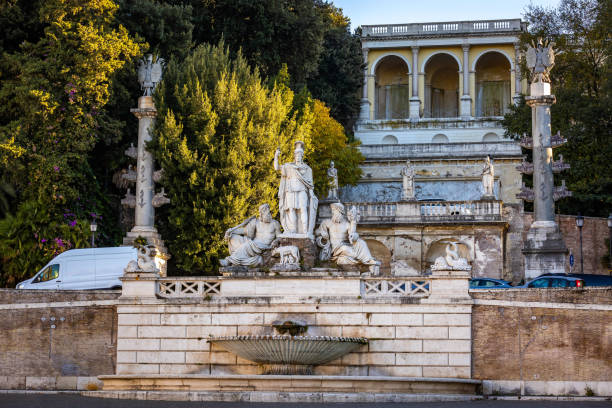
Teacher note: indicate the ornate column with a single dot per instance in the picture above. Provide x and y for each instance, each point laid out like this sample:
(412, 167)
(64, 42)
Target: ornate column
(364, 113)
(465, 109)
(146, 199)
(415, 102)
(544, 249)
(517, 74)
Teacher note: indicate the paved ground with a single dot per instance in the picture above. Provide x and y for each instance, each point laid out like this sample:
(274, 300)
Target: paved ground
(77, 401)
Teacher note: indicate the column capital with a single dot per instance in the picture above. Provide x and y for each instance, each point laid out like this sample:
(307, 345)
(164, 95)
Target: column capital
(415, 48)
(465, 47)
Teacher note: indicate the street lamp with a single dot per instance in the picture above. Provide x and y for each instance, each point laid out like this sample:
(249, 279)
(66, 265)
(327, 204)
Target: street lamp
(610, 240)
(580, 224)
(93, 227)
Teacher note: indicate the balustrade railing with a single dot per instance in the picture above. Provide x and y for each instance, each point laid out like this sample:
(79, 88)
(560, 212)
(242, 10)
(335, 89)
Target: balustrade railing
(188, 287)
(415, 287)
(441, 28)
(430, 211)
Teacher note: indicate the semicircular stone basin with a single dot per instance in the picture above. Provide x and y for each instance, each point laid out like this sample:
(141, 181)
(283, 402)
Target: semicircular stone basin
(289, 354)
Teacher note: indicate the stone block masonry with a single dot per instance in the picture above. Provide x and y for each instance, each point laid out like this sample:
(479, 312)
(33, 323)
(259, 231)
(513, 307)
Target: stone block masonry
(416, 340)
(56, 339)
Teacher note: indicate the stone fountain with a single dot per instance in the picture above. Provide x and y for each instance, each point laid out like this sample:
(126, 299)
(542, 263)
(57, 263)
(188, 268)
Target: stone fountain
(290, 352)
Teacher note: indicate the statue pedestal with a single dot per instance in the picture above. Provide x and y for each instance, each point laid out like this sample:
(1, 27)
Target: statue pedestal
(306, 245)
(139, 284)
(544, 250)
(450, 285)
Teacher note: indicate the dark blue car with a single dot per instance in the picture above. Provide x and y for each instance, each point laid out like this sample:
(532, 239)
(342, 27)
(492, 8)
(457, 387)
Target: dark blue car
(489, 283)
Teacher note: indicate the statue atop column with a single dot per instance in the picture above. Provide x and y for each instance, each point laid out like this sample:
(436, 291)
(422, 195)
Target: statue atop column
(340, 241)
(149, 74)
(540, 60)
(488, 174)
(408, 182)
(332, 176)
(248, 240)
(296, 199)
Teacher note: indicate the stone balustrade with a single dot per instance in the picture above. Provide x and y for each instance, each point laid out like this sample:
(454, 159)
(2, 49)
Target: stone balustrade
(422, 212)
(433, 150)
(203, 287)
(399, 30)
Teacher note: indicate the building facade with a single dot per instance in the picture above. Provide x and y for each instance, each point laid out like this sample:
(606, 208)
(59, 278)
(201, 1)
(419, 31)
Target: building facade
(434, 94)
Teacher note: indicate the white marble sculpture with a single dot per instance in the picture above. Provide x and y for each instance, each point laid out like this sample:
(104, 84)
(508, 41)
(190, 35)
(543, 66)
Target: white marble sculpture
(488, 178)
(296, 199)
(149, 74)
(146, 260)
(332, 176)
(248, 240)
(408, 182)
(452, 261)
(339, 240)
(289, 258)
(540, 60)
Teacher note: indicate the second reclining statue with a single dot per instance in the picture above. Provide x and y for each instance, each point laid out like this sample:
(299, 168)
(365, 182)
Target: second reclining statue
(339, 240)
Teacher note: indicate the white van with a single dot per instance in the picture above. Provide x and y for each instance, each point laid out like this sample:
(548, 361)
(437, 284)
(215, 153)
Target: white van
(90, 268)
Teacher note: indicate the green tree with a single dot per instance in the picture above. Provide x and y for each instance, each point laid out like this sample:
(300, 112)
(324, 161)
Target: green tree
(339, 75)
(52, 99)
(216, 134)
(583, 111)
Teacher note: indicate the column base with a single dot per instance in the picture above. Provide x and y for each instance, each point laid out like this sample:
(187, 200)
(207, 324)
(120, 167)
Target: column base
(544, 250)
(153, 238)
(465, 107)
(415, 108)
(364, 113)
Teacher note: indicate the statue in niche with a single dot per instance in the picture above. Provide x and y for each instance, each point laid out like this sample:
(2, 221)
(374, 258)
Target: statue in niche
(296, 199)
(488, 178)
(452, 261)
(408, 182)
(248, 240)
(339, 240)
(332, 176)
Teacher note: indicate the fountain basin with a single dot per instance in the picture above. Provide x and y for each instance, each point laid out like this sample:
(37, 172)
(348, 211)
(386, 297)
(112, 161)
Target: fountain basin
(289, 354)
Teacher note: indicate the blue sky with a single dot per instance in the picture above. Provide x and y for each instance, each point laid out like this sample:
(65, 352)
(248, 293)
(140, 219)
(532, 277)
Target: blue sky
(365, 12)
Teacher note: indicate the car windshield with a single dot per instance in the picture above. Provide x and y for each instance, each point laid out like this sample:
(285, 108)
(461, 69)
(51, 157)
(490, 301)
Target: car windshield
(49, 273)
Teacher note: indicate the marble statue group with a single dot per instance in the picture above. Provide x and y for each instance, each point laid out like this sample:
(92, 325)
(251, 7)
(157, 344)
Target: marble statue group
(337, 237)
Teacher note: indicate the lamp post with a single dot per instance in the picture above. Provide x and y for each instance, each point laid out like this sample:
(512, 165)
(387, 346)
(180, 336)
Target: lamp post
(610, 241)
(93, 227)
(580, 224)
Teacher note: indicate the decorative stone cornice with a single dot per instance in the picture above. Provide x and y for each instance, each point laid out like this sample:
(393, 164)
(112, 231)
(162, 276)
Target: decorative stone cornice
(144, 112)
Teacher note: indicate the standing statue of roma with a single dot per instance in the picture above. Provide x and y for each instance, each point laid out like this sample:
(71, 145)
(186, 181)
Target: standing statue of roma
(297, 202)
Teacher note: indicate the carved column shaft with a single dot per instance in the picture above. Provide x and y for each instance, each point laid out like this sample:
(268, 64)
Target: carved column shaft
(145, 186)
(364, 113)
(543, 180)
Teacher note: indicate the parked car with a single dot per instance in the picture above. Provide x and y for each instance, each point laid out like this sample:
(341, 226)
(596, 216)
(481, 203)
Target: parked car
(91, 268)
(489, 283)
(589, 279)
(554, 281)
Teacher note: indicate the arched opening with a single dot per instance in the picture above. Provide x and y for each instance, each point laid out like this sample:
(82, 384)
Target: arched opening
(389, 139)
(380, 252)
(439, 138)
(391, 97)
(492, 84)
(441, 87)
(490, 137)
